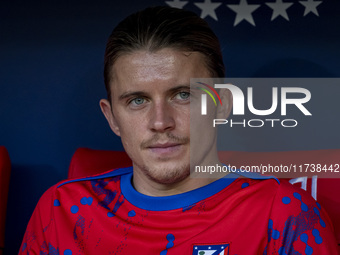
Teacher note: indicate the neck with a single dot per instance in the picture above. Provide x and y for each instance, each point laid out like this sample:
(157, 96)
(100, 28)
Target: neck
(151, 188)
(147, 186)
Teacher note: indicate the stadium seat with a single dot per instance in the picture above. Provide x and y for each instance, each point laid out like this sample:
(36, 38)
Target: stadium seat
(5, 170)
(87, 162)
(326, 191)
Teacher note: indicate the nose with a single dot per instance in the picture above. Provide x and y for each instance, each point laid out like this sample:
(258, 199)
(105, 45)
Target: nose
(162, 117)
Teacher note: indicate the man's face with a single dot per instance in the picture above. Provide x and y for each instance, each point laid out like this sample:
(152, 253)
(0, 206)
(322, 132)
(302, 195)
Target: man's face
(151, 110)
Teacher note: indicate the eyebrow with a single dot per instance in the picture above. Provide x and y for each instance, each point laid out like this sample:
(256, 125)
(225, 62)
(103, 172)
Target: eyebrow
(131, 94)
(142, 93)
(179, 87)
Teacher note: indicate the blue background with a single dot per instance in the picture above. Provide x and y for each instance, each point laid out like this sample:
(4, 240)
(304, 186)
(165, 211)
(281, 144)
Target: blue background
(51, 80)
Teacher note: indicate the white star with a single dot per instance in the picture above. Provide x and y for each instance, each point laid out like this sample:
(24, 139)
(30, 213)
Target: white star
(208, 8)
(310, 6)
(279, 8)
(176, 3)
(243, 11)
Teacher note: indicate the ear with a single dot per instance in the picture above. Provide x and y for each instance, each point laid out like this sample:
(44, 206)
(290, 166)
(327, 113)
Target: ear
(106, 108)
(224, 110)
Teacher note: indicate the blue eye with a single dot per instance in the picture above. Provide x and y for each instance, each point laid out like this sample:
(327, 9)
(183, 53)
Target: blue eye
(138, 101)
(183, 95)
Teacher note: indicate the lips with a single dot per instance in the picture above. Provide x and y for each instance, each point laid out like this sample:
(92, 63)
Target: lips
(165, 148)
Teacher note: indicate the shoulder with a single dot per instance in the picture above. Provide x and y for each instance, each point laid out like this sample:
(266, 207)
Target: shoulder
(78, 185)
(294, 199)
(292, 203)
(115, 173)
(289, 203)
(298, 222)
(281, 189)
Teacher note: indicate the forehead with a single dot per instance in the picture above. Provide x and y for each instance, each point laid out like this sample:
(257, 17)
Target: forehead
(163, 68)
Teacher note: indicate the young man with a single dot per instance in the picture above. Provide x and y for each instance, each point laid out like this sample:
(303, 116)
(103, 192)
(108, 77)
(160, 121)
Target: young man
(154, 207)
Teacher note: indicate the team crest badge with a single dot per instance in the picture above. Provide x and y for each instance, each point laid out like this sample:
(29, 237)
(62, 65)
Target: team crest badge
(215, 249)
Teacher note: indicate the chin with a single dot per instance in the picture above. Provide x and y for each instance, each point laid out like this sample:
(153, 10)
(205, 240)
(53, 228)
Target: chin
(167, 175)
